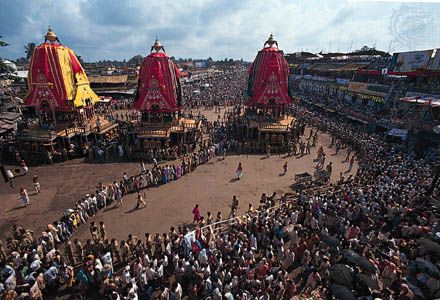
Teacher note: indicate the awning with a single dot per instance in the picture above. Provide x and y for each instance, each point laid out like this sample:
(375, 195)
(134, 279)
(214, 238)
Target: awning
(105, 99)
(112, 79)
(429, 101)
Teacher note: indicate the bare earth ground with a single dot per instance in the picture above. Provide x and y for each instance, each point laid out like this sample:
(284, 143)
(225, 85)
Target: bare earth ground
(211, 186)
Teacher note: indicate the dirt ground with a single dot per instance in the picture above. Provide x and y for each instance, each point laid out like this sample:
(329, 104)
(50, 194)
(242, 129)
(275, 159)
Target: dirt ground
(211, 186)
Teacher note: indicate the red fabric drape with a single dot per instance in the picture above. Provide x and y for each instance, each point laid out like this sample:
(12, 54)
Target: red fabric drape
(269, 78)
(158, 87)
(45, 78)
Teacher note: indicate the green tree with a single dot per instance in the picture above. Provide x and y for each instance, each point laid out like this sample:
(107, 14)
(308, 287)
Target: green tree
(81, 61)
(3, 67)
(3, 43)
(136, 60)
(29, 50)
(21, 61)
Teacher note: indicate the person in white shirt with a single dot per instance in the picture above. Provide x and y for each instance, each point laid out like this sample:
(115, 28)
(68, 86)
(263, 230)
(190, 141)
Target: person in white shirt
(121, 151)
(143, 168)
(178, 292)
(165, 294)
(294, 217)
(132, 292)
(254, 243)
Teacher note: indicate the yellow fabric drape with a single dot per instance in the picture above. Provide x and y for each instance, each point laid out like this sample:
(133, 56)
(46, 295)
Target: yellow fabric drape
(67, 73)
(83, 91)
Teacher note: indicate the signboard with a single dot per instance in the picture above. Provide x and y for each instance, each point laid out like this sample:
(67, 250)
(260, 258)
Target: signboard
(321, 78)
(376, 99)
(416, 94)
(402, 133)
(200, 64)
(305, 65)
(368, 88)
(342, 81)
(434, 65)
(318, 78)
(295, 77)
(411, 61)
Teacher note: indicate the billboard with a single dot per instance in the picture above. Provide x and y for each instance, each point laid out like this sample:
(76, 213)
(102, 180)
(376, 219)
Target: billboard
(398, 132)
(342, 81)
(368, 88)
(434, 65)
(421, 95)
(200, 64)
(411, 61)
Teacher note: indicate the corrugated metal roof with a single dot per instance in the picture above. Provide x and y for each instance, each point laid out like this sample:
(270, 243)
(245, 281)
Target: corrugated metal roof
(108, 79)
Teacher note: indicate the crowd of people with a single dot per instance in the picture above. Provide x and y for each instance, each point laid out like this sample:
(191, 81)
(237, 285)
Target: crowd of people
(321, 93)
(225, 88)
(374, 235)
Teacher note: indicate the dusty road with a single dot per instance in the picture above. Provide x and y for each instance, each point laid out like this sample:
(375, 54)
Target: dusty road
(211, 186)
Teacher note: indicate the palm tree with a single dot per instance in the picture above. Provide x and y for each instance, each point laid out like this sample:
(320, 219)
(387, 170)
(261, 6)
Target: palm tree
(3, 43)
(29, 50)
(3, 67)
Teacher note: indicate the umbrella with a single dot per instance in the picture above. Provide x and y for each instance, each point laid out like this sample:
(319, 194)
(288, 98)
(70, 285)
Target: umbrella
(360, 261)
(341, 274)
(427, 266)
(429, 245)
(412, 284)
(351, 255)
(341, 292)
(366, 265)
(331, 241)
(370, 282)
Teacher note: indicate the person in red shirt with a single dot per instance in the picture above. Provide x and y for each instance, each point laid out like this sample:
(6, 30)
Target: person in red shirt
(262, 269)
(196, 213)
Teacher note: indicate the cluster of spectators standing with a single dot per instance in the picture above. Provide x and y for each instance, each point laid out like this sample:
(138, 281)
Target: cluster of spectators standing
(225, 88)
(375, 236)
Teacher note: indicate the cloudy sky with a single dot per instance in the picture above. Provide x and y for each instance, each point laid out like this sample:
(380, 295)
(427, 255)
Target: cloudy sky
(117, 29)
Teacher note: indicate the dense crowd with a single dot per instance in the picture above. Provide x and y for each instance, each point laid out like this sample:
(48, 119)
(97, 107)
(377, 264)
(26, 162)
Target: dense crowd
(340, 101)
(375, 235)
(225, 88)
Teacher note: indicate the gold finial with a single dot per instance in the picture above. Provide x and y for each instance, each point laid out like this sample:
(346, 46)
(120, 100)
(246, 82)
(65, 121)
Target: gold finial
(157, 46)
(50, 35)
(270, 41)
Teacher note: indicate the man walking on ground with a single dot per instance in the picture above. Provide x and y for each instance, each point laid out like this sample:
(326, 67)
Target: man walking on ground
(234, 204)
(36, 184)
(10, 176)
(24, 196)
(239, 171)
(348, 155)
(23, 167)
(351, 164)
(140, 200)
(321, 162)
(285, 168)
(196, 213)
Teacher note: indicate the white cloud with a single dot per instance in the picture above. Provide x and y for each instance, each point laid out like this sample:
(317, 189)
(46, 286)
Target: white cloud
(111, 29)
